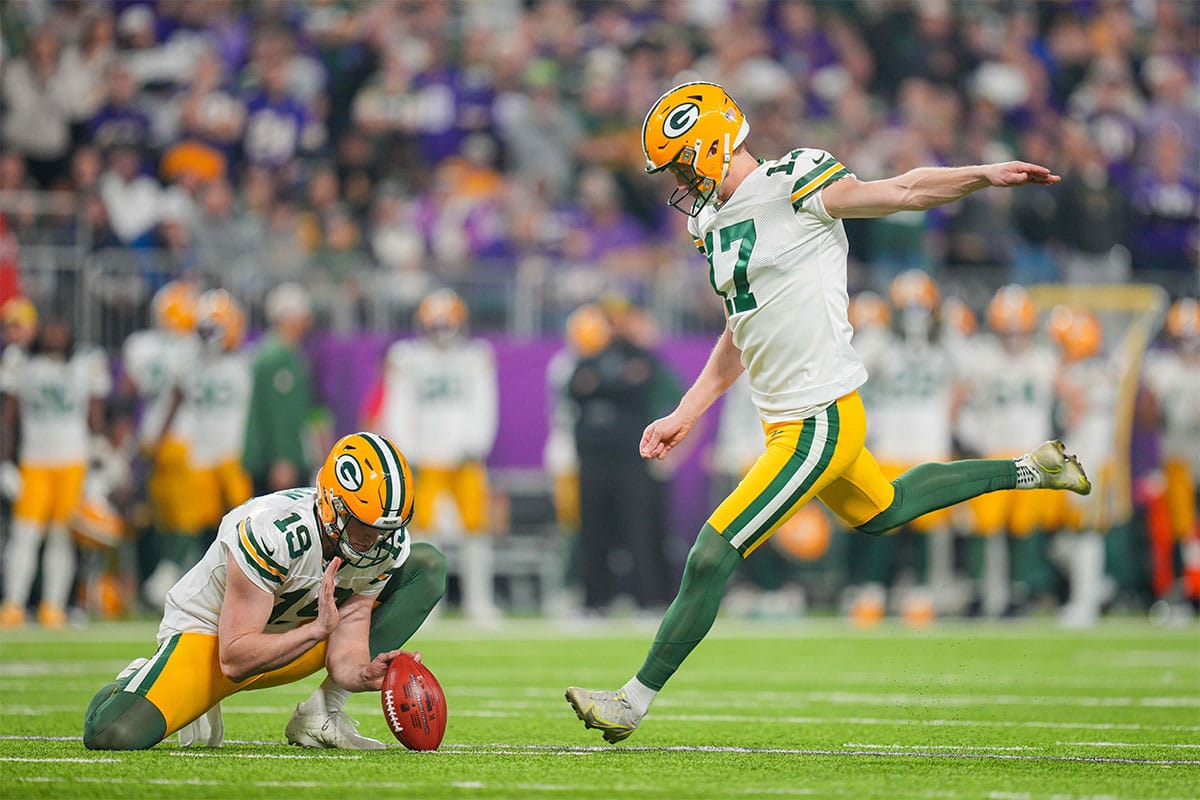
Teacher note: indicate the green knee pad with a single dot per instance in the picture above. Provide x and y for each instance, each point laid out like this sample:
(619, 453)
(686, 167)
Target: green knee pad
(119, 720)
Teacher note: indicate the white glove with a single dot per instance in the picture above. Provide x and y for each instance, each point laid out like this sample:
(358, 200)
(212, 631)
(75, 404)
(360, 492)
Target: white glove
(10, 480)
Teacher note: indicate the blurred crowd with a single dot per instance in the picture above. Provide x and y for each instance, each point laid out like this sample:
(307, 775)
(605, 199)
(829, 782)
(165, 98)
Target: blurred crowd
(347, 143)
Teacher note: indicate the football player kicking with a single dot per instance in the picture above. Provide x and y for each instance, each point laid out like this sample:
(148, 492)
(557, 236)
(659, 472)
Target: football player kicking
(777, 252)
(296, 580)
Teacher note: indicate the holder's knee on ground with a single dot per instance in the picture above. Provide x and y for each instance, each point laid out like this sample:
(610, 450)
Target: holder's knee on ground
(122, 721)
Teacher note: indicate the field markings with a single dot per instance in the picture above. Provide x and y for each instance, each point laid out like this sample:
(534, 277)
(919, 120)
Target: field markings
(48, 760)
(288, 756)
(726, 718)
(730, 700)
(502, 749)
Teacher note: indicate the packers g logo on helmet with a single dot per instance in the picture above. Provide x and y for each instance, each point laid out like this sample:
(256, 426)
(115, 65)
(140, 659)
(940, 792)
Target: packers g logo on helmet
(681, 120)
(367, 478)
(692, 131)
(349, 472)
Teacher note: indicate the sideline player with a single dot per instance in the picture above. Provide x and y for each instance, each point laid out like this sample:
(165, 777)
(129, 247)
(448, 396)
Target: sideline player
(157, 362)
(296, 580)
(777, 252)
(217, 394)
(440, 405)
(55, 397)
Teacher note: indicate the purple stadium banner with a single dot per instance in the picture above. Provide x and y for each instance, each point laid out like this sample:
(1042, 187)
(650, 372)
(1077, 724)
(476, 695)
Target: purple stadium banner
(345, 368)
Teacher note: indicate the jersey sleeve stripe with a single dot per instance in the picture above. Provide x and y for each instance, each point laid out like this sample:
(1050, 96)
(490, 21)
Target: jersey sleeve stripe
(263, 551)
(256, 562)
(699, 246)
(824, 174)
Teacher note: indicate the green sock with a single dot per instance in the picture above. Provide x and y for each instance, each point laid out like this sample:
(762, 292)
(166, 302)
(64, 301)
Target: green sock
(929, 487)
(407, 599)
(709, 564)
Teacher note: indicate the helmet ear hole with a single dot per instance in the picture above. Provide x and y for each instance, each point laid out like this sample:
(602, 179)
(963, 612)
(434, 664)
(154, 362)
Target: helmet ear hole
(712, 151)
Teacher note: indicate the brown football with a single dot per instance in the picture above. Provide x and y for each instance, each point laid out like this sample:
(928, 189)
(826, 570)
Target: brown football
(414, 705)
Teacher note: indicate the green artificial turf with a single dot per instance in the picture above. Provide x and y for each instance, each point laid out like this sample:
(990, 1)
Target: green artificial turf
(809, 708)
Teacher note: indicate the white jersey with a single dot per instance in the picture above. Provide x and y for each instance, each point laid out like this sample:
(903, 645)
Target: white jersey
(1090, 431)
(558, 454)
(1176, 384)
(158, 362)
(779, 262)
(912, 388)
(740, 439)
(1013, 396)
(217, 400)
(53, 396)
(275, 541)
(440, 404)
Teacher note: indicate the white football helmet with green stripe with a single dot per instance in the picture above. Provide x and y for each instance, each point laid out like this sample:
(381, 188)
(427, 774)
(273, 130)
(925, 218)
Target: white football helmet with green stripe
(366, 477)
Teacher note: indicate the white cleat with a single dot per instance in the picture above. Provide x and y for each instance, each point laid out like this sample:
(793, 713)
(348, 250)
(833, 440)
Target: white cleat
(207, 730)
(1059, 469)
(609, 712)
(313, 726)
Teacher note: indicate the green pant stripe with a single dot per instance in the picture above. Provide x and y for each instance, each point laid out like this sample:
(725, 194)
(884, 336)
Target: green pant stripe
(148, 674)
(793, 463)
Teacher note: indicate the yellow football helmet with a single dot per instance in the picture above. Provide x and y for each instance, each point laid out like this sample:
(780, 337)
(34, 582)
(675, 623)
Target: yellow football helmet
(959, 316)
(869, 310)
(1011, 311)
(442, 314)
(21, 312)
(367, 478)
(1183, 319)
(174, 307)
(692, 131)
(588, 331)
(220, 320)
(1076, 331)
(914, 287)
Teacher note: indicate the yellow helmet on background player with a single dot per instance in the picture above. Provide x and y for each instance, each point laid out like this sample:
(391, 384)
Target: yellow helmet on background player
(220, 320)
(914, 287)
(174, 307)
(442, 314)
(20, 318)
(1183, 319)
(367, 478)
(959, 317)
(1076, 331)
(869, 310)
(1011, 311)
(692, 130)
(588, 331)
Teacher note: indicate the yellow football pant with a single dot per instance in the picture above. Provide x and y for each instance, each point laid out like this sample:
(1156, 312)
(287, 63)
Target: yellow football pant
(824, 457)
(172, 490)
(218, 489)
(467, 486)
(184, 680)
(1181, 498)
(49, 494)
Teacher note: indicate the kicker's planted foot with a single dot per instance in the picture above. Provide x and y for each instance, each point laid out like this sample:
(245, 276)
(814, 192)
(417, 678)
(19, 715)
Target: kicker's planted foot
(608, 712)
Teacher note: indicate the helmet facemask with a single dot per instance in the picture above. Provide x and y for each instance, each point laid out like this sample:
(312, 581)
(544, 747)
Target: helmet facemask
(335, 529)
(689, 182)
